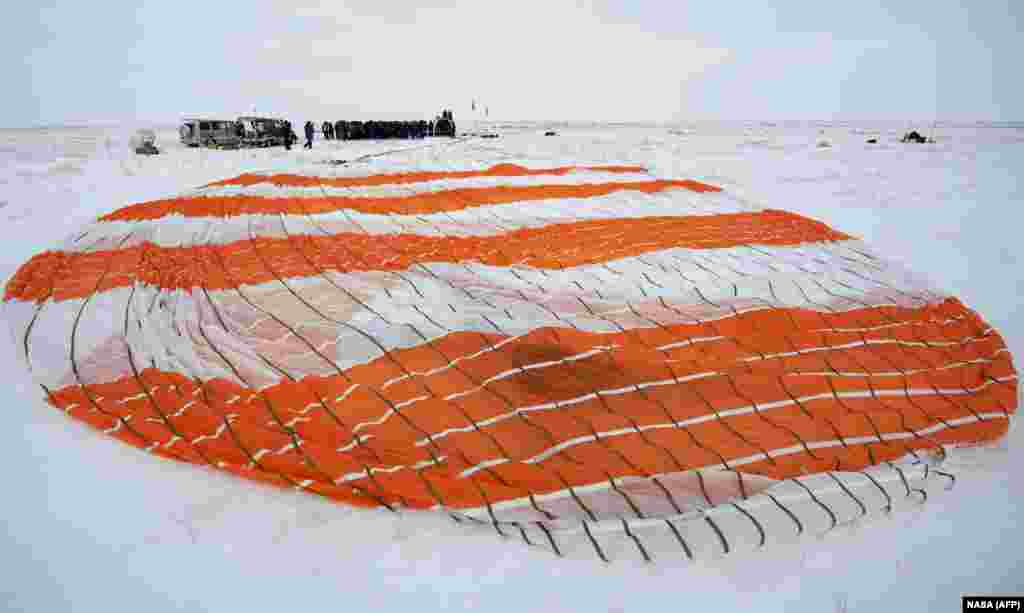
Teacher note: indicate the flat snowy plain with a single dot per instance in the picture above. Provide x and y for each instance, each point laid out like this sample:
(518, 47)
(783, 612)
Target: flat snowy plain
(92, 524)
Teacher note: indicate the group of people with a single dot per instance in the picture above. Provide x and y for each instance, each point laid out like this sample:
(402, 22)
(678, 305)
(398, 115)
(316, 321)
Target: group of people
(443, 125)
(355, 130)
(286, 133)
(289, 135)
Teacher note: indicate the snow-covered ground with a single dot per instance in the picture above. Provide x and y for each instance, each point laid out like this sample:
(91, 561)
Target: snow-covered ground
(90, 523)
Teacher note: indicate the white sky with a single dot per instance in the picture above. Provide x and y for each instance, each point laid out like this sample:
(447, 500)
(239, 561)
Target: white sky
(550, 59)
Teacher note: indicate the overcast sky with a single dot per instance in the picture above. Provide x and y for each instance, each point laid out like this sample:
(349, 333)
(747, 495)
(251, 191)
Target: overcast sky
(66, 61)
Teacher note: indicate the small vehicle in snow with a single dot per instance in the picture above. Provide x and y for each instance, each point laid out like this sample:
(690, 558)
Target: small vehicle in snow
(219, 133)
(144, 142)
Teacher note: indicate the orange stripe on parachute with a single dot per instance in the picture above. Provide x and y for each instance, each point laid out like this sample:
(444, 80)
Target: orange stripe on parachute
(416, 204)
(63, 275)
(417, 444)
(499, 170)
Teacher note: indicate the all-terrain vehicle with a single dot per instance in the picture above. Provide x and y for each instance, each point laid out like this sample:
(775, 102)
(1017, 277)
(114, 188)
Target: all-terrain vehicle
(219, 133)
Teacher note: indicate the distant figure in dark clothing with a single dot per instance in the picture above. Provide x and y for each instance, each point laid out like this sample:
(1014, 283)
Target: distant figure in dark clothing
(309, 135)
(339, 130)
(325, 128)
(286, 134)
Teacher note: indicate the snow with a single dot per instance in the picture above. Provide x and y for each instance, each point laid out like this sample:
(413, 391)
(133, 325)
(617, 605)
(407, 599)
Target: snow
(90, 523)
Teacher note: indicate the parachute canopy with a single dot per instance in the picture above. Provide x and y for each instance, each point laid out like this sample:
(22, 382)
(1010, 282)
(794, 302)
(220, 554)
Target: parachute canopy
(587, 358)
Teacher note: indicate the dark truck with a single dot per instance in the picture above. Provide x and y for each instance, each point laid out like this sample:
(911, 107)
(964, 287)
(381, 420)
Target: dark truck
(200, 132)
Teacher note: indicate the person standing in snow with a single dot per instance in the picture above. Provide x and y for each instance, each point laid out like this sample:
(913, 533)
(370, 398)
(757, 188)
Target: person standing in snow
(286, 135)
(309, 135)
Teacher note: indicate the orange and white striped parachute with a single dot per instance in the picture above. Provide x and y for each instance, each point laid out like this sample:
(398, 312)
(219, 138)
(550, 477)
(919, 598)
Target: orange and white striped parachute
(574, 356)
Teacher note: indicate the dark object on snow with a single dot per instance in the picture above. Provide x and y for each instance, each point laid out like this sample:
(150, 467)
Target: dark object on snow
(551, 133)
(309, 130)
(914, 137)
(262, 131)
(287, 135)
(213, 133)
(489, 135)
(872, 141)
(144, 142)
(356, 130)
(444, 125)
